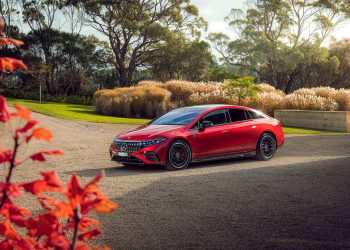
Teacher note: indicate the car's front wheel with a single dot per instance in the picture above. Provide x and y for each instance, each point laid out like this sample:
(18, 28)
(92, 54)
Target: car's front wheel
(266, 147)
(179, 156)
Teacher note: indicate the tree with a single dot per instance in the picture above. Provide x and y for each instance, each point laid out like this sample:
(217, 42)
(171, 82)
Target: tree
(241, 88)
(181, 59)
(136, 27)
(75, 61)
(341, 51)
(275, 37)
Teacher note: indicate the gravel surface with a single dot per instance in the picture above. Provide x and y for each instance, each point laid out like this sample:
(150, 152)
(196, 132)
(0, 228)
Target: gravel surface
(298, 200)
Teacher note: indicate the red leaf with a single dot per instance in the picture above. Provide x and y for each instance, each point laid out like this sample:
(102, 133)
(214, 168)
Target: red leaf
(40, 156)
(11, 41)
(43, 224)
(5, 114)
(5, 156)
(81, 246)
(49, 183)
(22, 112)
(10, 64)
(90, 234)
(27, 127)
(42, 134)
(7, 230)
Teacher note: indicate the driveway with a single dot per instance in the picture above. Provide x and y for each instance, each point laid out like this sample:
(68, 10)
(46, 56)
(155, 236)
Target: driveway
(298, 200)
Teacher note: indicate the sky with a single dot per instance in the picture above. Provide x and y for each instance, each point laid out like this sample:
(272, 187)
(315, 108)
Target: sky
(214, 11)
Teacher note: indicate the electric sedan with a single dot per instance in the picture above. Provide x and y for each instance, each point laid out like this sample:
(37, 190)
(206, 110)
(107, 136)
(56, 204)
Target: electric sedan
(199, 133)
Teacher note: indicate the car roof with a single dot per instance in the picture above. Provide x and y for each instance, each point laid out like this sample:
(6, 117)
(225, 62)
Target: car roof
(218, 106)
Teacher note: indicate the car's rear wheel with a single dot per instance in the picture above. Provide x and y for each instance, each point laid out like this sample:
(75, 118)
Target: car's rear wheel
(179, 156)
(266, 147)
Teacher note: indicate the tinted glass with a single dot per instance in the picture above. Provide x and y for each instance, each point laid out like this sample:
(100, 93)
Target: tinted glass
(255, 115)
(217, 117)
(182, 116)
(237, 115)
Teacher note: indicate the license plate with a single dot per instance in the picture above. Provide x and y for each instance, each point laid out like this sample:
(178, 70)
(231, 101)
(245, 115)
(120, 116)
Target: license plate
(123, 154)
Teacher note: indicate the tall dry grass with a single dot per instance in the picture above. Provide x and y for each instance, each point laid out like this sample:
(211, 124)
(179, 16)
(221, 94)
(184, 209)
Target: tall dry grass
(151, 98)
(141, 101)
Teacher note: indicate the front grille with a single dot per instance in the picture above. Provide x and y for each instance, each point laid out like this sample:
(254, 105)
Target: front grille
(128, 146)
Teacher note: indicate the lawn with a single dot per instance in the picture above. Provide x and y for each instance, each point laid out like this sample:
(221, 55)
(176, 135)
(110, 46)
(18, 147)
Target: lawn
(73, 112)
(86, 113)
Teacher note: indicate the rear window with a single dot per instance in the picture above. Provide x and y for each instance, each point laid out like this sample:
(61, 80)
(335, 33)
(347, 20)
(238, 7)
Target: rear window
(255, 115)
(237, 115)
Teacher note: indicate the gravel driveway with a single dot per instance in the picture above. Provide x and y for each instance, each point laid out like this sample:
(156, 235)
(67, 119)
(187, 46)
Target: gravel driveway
(300, 199)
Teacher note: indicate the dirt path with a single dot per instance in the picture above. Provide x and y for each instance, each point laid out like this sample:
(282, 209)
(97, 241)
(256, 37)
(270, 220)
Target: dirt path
(301, 199)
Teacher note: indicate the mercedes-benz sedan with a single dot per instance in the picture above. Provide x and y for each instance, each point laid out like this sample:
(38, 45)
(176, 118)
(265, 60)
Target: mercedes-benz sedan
(199, 133)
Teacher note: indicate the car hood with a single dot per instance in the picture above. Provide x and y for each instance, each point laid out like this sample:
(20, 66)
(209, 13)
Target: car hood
(147, 132)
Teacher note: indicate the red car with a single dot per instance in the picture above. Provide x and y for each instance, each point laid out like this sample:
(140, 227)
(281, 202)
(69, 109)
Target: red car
(198, 133)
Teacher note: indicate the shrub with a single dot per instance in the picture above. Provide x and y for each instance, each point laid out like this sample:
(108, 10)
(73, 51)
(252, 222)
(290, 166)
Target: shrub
(216, 97)
(242, 88)
(182, 90)
(133, 101)
(149, 83)
(342, 98)
(309, 102)
(304, 92)
(268, 102)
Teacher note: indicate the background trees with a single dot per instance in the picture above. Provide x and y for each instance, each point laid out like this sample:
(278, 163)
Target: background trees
(280, 40)
(76, 47)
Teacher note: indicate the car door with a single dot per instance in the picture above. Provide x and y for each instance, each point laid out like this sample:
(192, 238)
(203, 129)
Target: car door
(211, 141)
(240, 136)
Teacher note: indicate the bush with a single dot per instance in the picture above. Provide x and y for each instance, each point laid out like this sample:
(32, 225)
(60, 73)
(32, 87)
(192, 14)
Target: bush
(151, 98)
(309, 102)
(141, 101)
(181, 91)
(83, 100)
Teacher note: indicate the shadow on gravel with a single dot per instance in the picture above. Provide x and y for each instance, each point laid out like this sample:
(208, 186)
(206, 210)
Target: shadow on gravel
(120, 171)
(296, 206)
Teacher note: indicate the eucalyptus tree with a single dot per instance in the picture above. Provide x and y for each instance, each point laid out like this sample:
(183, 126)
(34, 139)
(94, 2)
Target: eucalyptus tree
(274, 37)
(136, 28)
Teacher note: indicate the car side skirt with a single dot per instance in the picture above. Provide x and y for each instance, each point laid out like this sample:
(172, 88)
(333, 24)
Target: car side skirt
(226, 156)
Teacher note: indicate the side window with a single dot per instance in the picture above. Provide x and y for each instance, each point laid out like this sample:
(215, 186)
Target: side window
(217, 117)
(255, 115)
(237, 115)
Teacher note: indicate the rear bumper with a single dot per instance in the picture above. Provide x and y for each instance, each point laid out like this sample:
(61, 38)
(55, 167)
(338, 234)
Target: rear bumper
(153, 155)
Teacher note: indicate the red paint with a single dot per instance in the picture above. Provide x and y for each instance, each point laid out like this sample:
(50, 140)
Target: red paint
(229, 138)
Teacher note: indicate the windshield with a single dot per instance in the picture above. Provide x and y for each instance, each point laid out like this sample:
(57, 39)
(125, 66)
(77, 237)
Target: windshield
(182, 116)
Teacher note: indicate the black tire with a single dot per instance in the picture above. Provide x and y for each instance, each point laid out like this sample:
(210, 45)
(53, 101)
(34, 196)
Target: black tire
(179, 156)
(266, 147)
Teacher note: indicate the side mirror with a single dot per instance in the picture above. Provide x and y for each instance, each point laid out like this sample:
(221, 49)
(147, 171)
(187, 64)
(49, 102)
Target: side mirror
(204, 125)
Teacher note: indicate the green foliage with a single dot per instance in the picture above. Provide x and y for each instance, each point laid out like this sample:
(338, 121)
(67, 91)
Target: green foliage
(275, 40)
(181, 59)
(242, 88)
(136, 28)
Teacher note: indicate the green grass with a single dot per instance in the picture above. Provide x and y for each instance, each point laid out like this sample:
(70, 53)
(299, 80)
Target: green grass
(86, 113)
(73, 112)
(304, 131)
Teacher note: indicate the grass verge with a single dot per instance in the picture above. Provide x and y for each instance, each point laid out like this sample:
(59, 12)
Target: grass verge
(73, 112)
(86, 113)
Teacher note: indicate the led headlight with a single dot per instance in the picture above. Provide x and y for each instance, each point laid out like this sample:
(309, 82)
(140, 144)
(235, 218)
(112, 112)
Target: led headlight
(152, 142)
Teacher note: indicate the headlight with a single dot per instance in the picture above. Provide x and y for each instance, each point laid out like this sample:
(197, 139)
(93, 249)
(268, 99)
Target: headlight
(152, 142)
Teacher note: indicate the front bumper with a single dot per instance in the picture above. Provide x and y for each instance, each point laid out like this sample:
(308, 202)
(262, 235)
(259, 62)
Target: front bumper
(152, 155)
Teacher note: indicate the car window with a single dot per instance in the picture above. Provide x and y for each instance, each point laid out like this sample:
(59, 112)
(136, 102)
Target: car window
(255, 115)
(217, 117)
(181, 116)
(237, 115)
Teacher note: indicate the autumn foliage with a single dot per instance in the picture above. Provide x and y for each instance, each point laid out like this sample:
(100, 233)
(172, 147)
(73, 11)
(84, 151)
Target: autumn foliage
(63, 221)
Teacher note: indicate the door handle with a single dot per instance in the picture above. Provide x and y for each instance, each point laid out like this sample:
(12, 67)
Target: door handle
(253, 127)
(225, 131)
